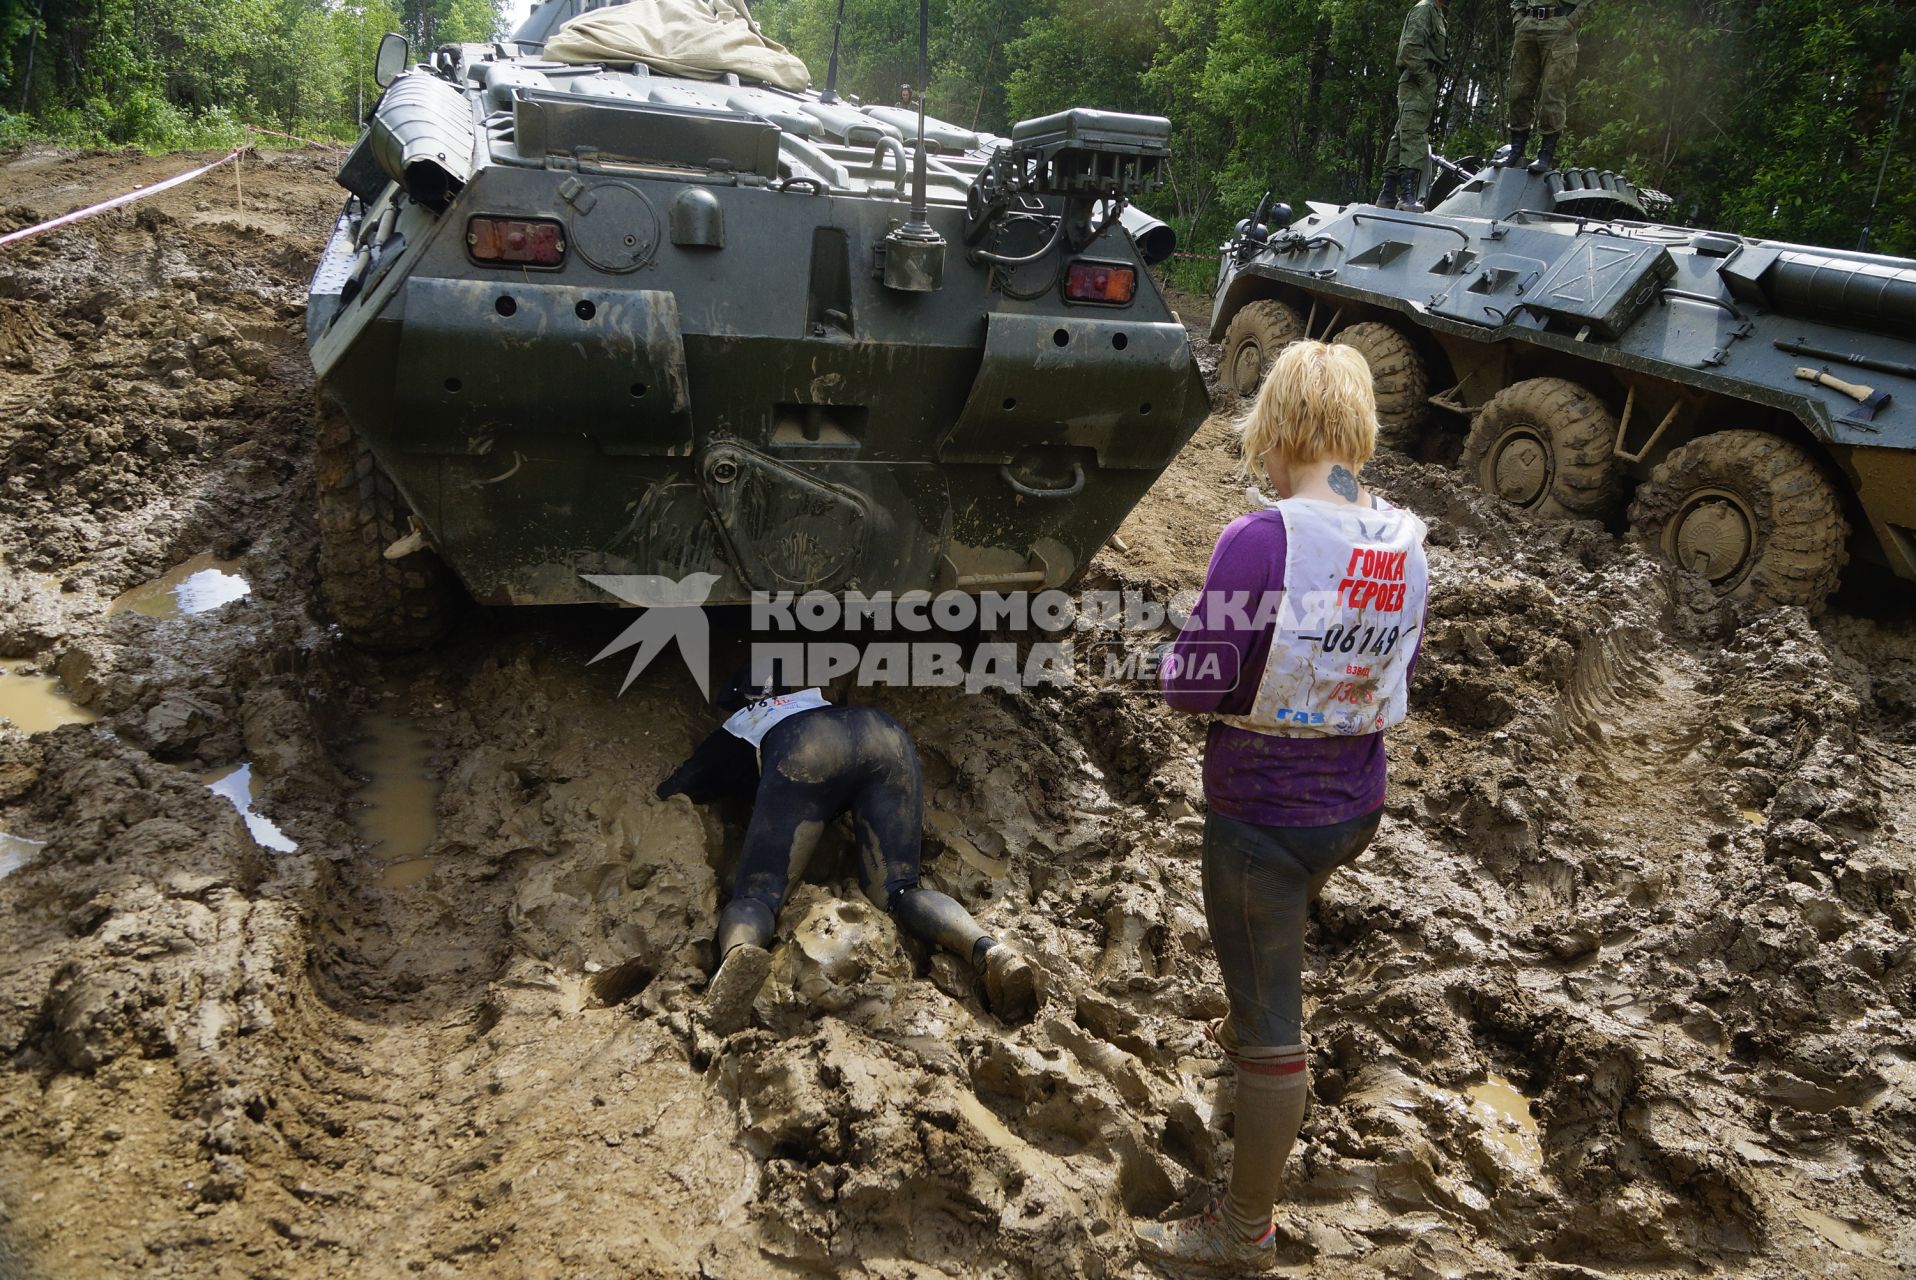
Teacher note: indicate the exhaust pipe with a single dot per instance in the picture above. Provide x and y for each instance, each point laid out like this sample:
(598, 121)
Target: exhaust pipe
(1154, 239)
(422, 137)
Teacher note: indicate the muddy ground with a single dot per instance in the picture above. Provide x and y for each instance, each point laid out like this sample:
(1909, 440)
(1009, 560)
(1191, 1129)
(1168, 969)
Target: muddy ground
(1623, 988)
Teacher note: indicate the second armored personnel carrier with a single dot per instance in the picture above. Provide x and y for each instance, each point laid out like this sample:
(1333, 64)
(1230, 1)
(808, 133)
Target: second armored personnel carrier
(1748, 406)
(628, 296)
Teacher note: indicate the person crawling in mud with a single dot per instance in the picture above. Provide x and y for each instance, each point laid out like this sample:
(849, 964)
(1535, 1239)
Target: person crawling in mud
(1294, 762)
(809, 761)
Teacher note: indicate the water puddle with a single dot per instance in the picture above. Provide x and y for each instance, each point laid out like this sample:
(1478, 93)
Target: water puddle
(236, 785)
(17, 852)
(1505, 1115)
(197, 586)
(35, 704)
(404, 875)
(1755, 817)
(397, 811)
(1840, 1233)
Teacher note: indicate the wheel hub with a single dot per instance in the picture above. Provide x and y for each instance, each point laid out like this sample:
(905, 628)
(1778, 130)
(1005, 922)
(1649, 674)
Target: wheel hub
(1245, 368)
(1713, 536)
(1520, 469)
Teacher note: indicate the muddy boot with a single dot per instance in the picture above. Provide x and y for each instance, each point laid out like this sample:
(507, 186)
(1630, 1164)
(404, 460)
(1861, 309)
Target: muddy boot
(1512, 151)
(1387, 199)
(729, 996)
(1546, 155)
(1208, 1243)
(1011, 984)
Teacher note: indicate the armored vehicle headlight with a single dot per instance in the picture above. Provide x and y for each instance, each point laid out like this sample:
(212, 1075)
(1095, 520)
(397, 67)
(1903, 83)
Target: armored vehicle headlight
(532, 242)
(1108, 282)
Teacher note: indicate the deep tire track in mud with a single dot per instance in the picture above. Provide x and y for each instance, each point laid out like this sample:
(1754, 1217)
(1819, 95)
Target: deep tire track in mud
(1653, 871)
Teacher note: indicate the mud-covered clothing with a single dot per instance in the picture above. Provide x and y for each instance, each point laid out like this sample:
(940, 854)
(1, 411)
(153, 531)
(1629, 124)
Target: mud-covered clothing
(1543, 67)
(1263, 778)
(808, 768)
(1258, 886)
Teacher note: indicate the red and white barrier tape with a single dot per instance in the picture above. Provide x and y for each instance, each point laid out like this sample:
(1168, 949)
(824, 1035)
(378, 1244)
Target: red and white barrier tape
(139, 193)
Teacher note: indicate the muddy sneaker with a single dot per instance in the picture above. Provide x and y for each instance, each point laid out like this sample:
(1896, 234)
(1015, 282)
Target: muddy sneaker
(729, 996)
(1011, 985)
(1206, 1242)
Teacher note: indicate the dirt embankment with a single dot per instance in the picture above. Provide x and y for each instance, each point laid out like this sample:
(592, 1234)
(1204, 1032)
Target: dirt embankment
(1625, 985)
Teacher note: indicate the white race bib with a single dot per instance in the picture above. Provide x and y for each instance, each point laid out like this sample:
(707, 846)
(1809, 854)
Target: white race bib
(755, 721)
(1354, 591)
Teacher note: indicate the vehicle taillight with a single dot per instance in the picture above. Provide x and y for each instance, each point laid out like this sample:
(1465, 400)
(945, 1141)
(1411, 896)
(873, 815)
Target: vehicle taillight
(1100, 282)
(519, 241)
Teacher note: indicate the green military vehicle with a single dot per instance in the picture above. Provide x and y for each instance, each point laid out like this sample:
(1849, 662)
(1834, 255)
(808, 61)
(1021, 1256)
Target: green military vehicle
(634, 299)
(1753, 403)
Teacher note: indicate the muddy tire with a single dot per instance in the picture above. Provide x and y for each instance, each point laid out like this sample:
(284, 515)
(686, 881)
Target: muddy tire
(1546, 445)
(389, 606)
(1252, 340)
(1752, 513)
(1397, 373)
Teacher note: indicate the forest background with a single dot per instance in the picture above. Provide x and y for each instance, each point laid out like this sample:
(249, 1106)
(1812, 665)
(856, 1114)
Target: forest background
(1786, 119)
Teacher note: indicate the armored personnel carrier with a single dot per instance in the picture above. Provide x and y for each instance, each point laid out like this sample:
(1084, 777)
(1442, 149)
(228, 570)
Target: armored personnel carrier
(628, 297)
(1753, 403)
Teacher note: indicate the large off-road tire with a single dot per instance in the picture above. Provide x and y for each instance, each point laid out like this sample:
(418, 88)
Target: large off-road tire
(385, 605)
(1750, 512)
(1398, 375)
(1252, 340)
(1549, 446)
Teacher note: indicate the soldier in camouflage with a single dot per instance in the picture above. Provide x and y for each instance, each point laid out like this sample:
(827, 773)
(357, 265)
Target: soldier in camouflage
(1421, 54)
(1543, 61)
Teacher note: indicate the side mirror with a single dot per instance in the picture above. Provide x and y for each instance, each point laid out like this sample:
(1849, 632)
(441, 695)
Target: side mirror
(391, 60)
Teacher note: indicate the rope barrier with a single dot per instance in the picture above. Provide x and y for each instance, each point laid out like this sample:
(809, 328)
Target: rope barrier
(293, 137)
(138, 193)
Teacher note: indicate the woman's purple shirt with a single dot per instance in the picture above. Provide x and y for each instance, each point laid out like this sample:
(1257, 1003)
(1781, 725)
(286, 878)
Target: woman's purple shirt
(1256, 777)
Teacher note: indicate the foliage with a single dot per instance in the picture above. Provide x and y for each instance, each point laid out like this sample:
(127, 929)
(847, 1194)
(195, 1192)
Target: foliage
(1768, 117)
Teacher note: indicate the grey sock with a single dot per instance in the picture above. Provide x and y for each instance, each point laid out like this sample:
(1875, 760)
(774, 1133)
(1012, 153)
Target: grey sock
(1272, 1084)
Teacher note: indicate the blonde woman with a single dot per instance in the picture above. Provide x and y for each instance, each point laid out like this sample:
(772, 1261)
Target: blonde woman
(1300, 650)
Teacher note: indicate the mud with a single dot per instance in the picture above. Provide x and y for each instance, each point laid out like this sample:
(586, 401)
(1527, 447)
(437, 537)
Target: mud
(1624, 986)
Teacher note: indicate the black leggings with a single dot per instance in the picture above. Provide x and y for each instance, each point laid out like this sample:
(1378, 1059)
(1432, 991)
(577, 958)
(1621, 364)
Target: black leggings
(1258, 886)
(813, 767)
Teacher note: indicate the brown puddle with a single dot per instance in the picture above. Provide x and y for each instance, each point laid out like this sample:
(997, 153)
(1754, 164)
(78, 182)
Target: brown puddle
(35, 704)
(236, 784)
(17, 852)
(397, 811)
(1506, 1117)
(199, 585)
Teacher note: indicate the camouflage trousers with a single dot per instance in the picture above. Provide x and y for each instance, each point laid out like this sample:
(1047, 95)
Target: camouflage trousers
(1410, 145)
(1543, 64)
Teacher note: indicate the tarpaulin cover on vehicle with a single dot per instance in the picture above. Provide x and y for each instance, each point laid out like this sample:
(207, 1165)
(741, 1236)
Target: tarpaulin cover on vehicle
(703, 39)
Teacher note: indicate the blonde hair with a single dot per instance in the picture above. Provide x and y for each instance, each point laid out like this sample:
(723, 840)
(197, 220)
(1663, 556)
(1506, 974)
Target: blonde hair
(1316, 405)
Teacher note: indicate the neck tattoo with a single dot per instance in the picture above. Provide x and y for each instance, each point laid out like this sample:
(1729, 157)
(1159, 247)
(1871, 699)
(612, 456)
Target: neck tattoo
(1343, 483)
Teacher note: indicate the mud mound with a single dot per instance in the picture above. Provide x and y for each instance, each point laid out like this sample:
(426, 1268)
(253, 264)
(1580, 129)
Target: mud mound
(1624, 985)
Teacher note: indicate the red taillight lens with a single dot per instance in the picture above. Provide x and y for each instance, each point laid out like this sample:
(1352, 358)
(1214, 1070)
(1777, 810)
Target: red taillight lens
(1100, 282)
(519, 241)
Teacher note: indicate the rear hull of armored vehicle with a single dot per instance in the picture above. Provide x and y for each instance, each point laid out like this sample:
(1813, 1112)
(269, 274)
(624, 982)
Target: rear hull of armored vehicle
(718, 380)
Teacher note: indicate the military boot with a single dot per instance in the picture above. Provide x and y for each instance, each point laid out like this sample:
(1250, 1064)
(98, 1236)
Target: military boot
(1546, 155)
(1412, 202)
(1388, 200)
(1512, 151)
